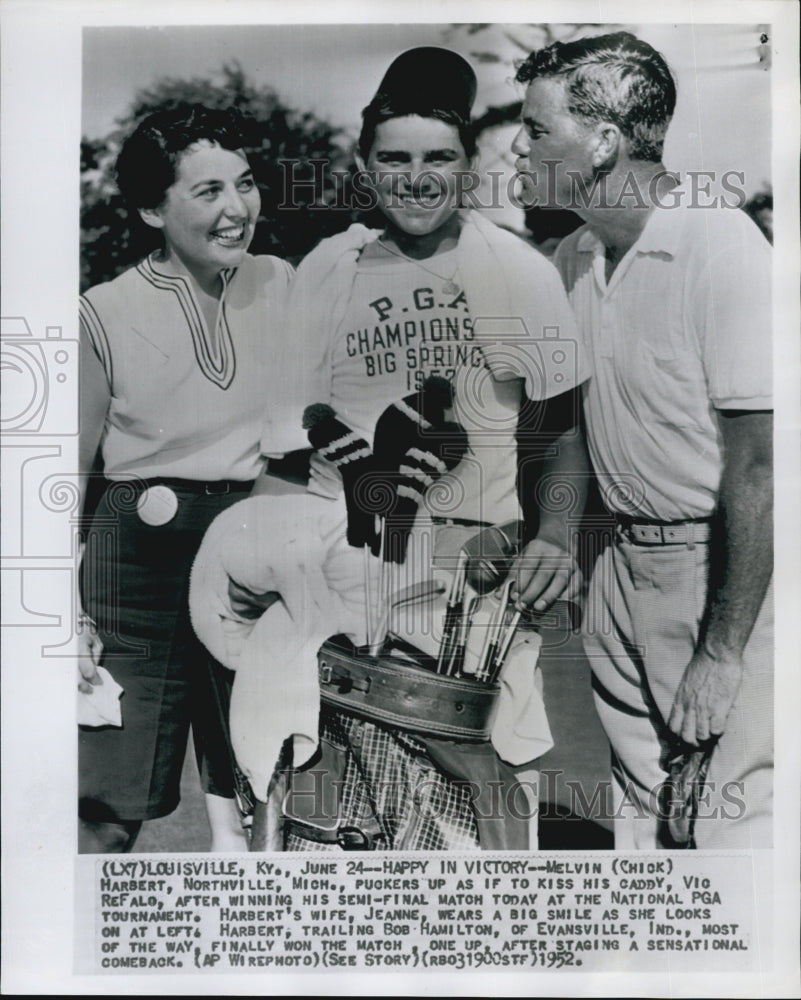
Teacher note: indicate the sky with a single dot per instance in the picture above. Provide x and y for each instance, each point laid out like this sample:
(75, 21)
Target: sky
(722, 120)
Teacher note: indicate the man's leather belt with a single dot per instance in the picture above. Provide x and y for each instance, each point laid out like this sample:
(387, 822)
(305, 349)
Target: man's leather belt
(393, 691)
(665, 532)
(219, 487)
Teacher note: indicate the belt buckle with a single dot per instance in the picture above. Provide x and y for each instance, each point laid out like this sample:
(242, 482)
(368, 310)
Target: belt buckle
(211, 489)
(351, 838)
(330, 677)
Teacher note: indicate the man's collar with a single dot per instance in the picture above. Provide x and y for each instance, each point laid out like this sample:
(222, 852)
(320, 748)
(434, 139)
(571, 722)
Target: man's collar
(589, 242)
(660, 233)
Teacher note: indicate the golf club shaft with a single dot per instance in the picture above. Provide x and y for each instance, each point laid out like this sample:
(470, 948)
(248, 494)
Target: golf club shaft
(454, 600)
(464, 624)
(493, 635)
(506, 643)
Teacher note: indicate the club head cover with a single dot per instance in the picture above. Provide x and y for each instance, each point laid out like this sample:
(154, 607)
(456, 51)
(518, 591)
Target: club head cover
(415, 445)
(352, 455)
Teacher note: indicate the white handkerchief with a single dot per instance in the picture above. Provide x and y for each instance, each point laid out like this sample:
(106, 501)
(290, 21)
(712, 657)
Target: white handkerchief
(101, 706)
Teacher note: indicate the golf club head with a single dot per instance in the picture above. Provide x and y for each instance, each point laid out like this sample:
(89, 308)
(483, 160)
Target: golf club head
(490, 555)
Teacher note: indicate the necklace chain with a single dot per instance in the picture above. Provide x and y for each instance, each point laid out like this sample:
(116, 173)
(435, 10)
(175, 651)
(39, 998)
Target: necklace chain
(449, 288)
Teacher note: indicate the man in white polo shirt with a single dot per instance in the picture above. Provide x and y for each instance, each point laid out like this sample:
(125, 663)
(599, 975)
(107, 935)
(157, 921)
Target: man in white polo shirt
(674, 300)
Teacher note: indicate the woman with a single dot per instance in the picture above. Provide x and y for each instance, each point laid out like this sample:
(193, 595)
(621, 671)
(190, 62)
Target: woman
(175, 370)
(372, 313)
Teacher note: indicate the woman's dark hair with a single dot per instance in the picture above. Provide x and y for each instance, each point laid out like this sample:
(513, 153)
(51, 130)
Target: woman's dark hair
(382, 109)
(148, 158)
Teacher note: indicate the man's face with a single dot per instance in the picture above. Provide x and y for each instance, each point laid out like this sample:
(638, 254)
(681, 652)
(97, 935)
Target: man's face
(551, 145)
(418, 165)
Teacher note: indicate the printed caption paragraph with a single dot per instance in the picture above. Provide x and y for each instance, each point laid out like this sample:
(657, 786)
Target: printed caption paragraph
(440, 913)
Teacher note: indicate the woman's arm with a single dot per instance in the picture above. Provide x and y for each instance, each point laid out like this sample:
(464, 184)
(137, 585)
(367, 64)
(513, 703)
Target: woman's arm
(95, 399)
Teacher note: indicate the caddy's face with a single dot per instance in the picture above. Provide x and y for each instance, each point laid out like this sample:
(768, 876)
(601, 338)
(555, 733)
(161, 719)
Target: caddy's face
(419, 167)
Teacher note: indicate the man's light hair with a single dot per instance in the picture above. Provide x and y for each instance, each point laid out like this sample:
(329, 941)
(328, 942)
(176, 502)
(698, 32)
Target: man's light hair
(615, 78)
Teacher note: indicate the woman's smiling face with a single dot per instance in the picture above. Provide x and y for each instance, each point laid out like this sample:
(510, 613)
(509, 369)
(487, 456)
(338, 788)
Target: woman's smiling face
(419, 167)
(209, 213)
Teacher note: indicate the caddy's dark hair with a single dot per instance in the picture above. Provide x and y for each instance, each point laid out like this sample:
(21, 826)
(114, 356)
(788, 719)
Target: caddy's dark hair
(149, 156)
(382, 110)
(615, 78)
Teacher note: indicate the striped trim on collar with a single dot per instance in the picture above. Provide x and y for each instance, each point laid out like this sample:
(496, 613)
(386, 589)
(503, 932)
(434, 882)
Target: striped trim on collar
(214, 349)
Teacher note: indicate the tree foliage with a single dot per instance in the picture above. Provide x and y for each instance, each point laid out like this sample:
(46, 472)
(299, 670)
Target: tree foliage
(303, 165)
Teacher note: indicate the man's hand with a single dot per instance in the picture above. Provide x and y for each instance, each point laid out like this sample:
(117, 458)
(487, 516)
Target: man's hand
(544, 572)
(705, 696)
(90, 650)
(741, 559)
